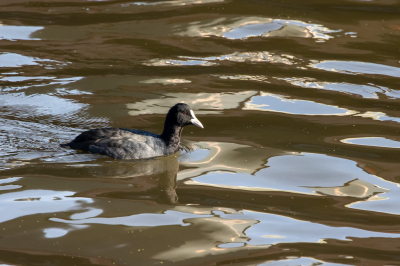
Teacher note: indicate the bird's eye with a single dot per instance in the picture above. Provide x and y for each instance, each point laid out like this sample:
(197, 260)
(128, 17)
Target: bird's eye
(184, 113)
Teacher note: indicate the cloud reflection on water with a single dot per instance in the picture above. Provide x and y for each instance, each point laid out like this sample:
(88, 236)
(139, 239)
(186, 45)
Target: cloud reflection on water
(354, 67)
(29, 202)
(379, 116)
(373, 141)
(262, 56)
(172, 3)
(278, 103)
(13, 33)
(366, 91)
(17, 60)
(245, 27)
(238, 167)
(202, 103)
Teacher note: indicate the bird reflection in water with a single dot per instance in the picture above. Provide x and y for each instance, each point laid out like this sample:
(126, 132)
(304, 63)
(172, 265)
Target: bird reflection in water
(167, 182)
(146, 180)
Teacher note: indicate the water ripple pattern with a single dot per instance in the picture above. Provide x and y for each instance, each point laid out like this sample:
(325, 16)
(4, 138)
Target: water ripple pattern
(297, 164)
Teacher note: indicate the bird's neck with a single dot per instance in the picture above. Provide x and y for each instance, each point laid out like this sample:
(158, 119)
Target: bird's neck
(172, 136)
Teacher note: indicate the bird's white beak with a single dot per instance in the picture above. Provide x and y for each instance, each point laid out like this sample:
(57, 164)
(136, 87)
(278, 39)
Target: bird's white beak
(195, 121)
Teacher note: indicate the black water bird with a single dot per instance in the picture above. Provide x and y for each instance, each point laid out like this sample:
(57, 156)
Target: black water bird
(121, 143)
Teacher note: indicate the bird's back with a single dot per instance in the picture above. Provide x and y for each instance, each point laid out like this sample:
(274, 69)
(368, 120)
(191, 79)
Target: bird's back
(120, 143)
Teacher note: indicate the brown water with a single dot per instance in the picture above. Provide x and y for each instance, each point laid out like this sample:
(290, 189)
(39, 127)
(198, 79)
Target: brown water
(298, 163)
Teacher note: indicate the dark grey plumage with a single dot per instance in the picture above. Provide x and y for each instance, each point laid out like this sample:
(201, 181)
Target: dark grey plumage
(121, 143)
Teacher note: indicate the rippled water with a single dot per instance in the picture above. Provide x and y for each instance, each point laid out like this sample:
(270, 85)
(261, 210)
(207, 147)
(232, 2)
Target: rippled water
(298, 163)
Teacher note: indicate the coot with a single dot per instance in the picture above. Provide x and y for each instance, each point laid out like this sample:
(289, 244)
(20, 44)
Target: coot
(121, 143)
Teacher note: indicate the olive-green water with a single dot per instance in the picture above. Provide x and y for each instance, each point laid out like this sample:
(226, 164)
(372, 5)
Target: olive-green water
(298, 163)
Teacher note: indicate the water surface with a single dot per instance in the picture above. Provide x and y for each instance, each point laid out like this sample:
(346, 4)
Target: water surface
(297, 164)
